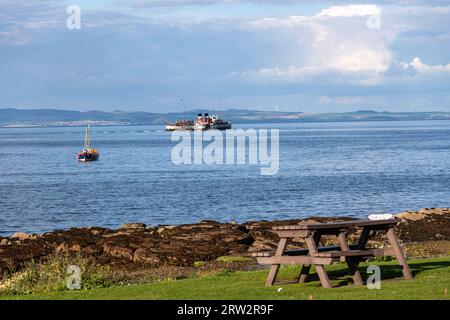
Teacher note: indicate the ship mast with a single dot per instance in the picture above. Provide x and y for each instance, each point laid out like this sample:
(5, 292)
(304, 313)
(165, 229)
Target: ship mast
(184, 108)
(87, 140)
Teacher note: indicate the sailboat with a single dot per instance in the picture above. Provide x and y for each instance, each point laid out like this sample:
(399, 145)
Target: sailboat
(88, 153)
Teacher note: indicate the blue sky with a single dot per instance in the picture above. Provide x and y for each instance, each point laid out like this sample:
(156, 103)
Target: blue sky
(289, 55)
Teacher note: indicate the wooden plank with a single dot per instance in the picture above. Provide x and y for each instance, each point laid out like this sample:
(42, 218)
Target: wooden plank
(351, 263)
(263, 253)
(292, 233)
(304, 271)
(294, 227)
(312, 246)
(275, 267)
(365, 235)
(277, 260)
(341, 224)
(362, 243)
(298, 252)
(398, 253)
(371, 223)
(354, 253)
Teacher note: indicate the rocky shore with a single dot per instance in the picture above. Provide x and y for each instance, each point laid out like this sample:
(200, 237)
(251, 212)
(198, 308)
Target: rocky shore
(135, 246)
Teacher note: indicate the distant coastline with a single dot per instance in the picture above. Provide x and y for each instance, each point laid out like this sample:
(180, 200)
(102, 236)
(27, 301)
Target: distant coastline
(21, 118)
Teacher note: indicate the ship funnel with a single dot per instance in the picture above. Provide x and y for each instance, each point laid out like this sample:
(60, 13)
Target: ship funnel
(200, 118)
(207, 118)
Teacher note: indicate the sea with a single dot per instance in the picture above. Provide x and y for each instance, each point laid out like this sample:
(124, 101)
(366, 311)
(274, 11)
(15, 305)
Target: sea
(325, 169)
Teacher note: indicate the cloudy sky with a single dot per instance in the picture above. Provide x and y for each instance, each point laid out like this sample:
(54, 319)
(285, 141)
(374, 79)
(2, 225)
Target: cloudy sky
(287, 55)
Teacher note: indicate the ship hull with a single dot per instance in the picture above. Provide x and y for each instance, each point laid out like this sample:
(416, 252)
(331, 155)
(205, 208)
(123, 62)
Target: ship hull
(222, 126)
(200, 127)
(175, 128)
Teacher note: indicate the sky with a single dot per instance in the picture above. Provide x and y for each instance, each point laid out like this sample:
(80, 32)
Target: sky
(285, 55)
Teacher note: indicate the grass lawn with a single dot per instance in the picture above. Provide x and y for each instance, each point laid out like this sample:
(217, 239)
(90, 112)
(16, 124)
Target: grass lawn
(432, 280)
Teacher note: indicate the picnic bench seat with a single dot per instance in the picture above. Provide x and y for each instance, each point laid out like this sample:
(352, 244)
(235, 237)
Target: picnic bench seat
(354, 253)
(297, 252)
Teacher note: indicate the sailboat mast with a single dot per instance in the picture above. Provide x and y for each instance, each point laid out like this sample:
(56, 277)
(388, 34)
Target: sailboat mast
(87, 140)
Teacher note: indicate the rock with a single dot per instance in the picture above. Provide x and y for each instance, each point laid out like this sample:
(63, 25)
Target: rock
(160, 230)
(117, 251)
(22, 236)
(262, 245)
(405, 216)
(68, 248)
(133, 226)
(62, 248)
(441, 211)
(433, 224)
(95, 232)
(431, 211)
(422, 214)
(5, 242)
(144, 255)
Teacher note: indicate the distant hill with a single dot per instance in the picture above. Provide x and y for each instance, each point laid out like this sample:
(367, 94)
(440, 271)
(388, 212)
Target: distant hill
(52, 117)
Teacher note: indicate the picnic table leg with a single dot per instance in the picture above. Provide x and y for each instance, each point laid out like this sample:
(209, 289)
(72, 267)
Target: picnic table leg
(351, 262)
(304, 272)
(312, 247)
(362, 242)
(275, 267)
(398, 252)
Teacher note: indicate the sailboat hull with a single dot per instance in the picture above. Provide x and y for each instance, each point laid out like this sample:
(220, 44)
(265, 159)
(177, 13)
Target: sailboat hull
(87, 158)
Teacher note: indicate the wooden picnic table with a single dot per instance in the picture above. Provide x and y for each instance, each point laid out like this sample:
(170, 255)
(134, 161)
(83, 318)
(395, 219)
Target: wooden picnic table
(321, 256)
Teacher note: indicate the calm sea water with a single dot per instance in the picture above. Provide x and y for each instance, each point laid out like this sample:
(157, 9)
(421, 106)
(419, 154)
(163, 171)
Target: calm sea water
(326, 169)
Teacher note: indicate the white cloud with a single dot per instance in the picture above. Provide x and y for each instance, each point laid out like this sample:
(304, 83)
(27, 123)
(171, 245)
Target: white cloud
(360, 66)
(423, 68)
(334, 11)
(334, 45)
(289, 22)
(363, 60)
(351, 10)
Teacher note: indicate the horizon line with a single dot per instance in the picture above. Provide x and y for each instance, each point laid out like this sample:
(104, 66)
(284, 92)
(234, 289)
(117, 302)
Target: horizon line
(216, 110)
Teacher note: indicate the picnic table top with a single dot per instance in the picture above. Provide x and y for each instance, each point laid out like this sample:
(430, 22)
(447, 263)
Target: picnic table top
(337, 225)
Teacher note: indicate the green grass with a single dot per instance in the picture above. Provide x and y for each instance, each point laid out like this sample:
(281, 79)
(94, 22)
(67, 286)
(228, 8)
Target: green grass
(432, 280)
(233, 259)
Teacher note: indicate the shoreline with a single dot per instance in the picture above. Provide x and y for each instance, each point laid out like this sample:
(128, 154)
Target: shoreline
(9, 234)
(135, 247)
